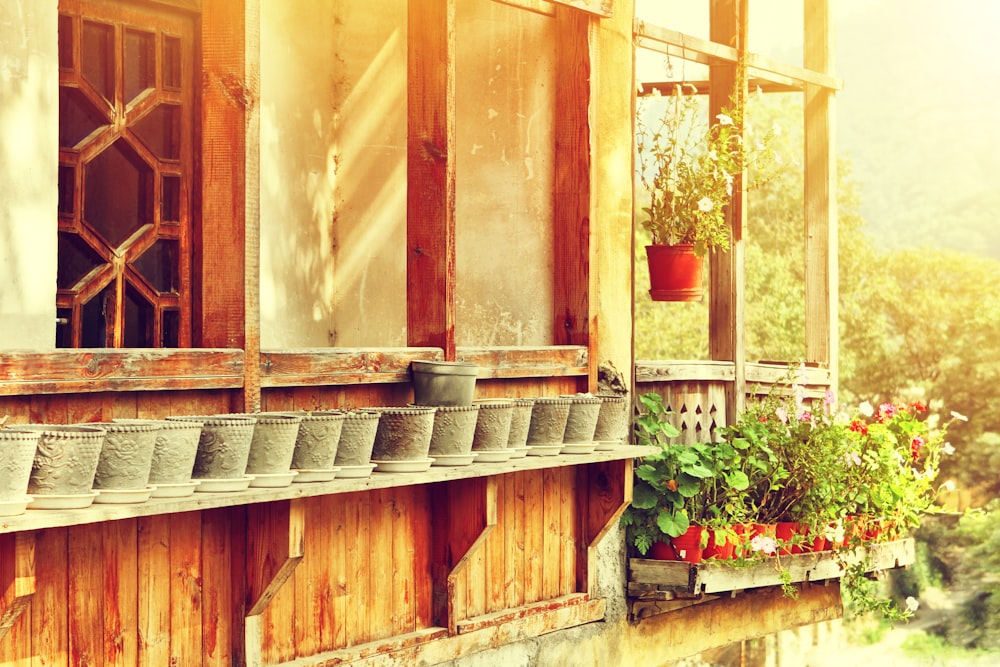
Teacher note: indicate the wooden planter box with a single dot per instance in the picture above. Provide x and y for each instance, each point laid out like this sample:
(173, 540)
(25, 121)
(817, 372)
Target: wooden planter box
(657, 586)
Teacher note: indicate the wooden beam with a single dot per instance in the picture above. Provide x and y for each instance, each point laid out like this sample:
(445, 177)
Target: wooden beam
(572, 238)
(430, 164)
(101, 370)
(220, 237)
(251, 206)
(695, 49)
(17, 577)
(433, 646)
(820, 197)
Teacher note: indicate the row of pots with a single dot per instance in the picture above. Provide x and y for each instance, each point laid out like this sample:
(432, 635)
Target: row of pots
(783, 538)
(55, 466)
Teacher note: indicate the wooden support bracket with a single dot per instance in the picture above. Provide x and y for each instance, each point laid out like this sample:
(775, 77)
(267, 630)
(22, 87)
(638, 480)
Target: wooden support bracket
(467, 514)
(274, 549)
(17, 577)
(604, 490)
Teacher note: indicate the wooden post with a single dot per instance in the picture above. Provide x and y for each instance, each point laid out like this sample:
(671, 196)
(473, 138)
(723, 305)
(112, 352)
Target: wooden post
(613, 108)
(604, 490)
(572, 238)
(727, 340)
(820, 197)
(430, 166)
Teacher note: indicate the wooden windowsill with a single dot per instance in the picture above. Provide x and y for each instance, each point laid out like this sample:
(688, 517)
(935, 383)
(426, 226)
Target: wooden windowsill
(26, 372)
(340, 366)
(39, 519)
(91, 370)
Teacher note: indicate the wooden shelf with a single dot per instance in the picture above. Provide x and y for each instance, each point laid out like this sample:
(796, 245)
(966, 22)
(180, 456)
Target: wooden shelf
(38, 519)
(657, 579)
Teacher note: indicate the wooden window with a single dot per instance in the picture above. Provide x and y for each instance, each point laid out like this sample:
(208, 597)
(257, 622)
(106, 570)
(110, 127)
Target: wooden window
(126, 174)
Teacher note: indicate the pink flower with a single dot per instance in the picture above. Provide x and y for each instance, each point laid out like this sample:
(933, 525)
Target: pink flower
(886, 411)
(782, 415)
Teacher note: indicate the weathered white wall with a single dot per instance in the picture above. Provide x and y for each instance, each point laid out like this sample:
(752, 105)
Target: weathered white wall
(29, 146)
(333, 173)
(505, 107)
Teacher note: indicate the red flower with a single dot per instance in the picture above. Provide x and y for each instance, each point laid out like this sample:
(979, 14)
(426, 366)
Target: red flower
(915, 446)
(918, 406)
(859, 427)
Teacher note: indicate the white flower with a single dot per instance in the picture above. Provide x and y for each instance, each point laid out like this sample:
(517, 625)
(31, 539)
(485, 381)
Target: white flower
(764, 544)
(705, 204)
(912, 604)
(948, 486)
(852, 458)
(948, 449)
(866, 409)
(835, 532)
(713, 156)
(724, 119)
(959, 416)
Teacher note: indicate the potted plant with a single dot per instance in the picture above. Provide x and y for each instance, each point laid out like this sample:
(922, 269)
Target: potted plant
(689, 171)
(683, 492)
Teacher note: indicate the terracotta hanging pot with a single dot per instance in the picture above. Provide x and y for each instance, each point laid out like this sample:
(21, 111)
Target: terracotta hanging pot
(675, 273)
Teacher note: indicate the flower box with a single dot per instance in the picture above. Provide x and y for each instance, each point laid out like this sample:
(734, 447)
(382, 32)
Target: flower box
(650, 580)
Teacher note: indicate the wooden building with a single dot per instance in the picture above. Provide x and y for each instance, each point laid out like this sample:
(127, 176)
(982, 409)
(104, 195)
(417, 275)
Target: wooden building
(265, 205)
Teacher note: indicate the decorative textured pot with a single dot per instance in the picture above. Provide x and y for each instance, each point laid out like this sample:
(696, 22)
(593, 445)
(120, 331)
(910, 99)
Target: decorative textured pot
(675, 273)
(273, 442)
(581, 422)
(126, 455)
(404, 434)
(65, 460)
(17, 452)
(493, 425)
(548, 421)
(454, 430)
(520, 422)
(317, 441)
(438, 383)
(357, 437)
(613, 419)
(223, 447)
(174, 451)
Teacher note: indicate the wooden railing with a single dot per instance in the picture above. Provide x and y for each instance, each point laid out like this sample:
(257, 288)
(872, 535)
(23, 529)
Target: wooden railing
(697, 392)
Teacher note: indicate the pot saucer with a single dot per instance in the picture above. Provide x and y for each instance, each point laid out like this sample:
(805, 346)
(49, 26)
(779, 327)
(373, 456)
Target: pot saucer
(223, 485)
(418, 465)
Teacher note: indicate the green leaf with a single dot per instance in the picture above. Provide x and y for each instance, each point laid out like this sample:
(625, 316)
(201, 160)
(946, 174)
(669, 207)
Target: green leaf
(688, 486)
(643, 496)
(738, 480)
(698, 471)
(673, 524)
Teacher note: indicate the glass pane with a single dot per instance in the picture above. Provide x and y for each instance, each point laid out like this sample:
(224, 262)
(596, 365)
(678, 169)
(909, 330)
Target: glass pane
(158, 265)
(93, 318)
(77, 117)
(160, 130)
(118, 188)
(98, 62)
(172, 63)
(140, 63)
(67, 191)
(170, 210)
(139, 319)
(65, 41)
(76, 260)
(171, 321)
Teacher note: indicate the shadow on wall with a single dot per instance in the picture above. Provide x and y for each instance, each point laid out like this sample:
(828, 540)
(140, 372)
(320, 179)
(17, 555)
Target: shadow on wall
(28, 174)
(333, 174)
